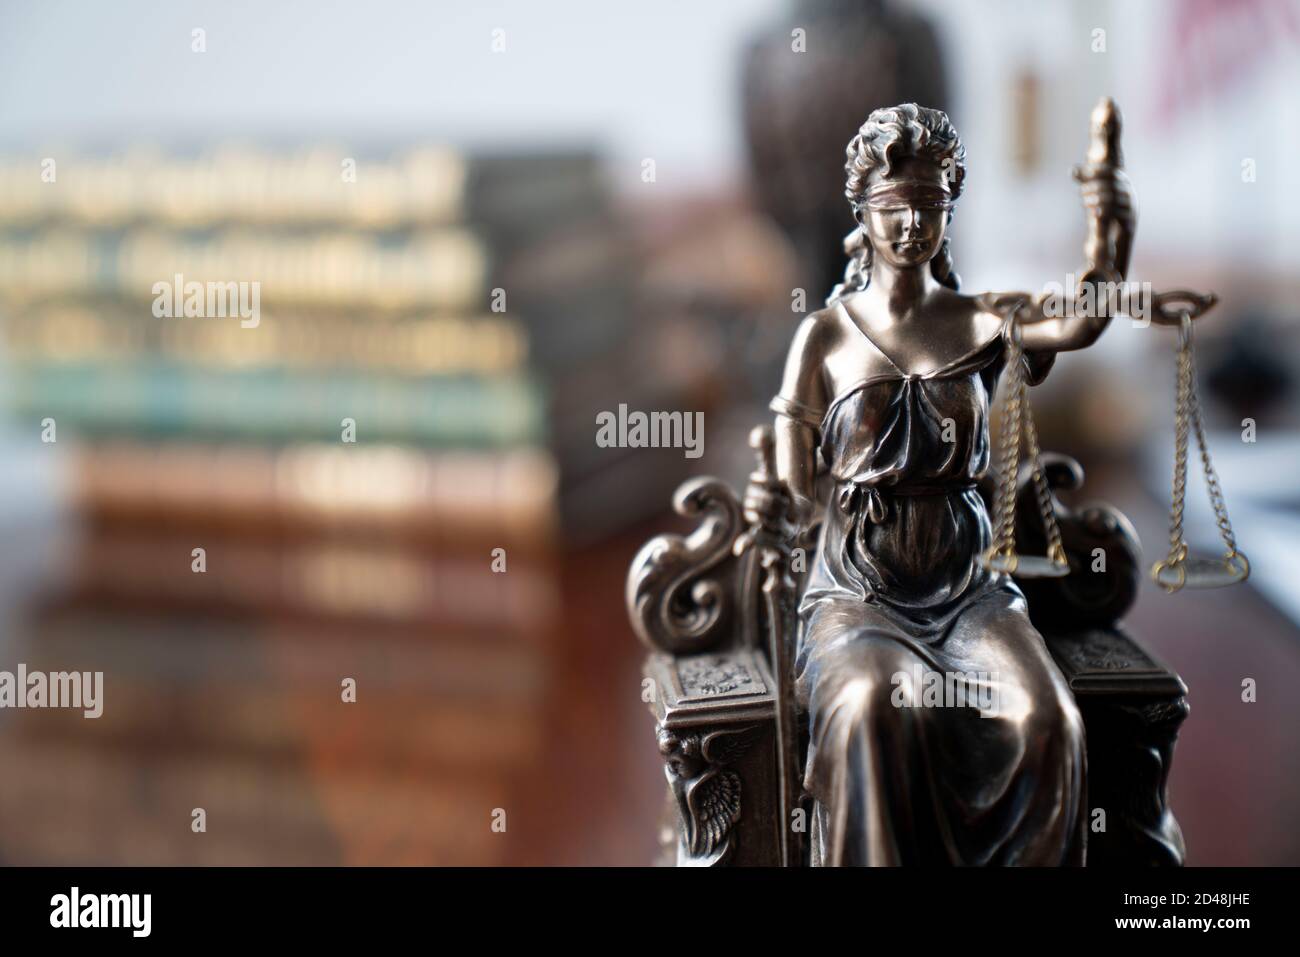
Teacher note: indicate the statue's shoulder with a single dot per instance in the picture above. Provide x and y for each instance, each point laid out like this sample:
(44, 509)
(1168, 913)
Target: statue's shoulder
(818, 331)
(970, 325)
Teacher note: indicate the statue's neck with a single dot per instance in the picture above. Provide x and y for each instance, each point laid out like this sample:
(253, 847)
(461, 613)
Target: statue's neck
(901, 288)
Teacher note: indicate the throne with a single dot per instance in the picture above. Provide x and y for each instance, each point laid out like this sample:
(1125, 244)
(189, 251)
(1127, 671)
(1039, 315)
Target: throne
(718, 620)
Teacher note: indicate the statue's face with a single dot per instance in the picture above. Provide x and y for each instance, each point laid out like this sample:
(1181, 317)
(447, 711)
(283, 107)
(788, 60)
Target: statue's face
(906, 213)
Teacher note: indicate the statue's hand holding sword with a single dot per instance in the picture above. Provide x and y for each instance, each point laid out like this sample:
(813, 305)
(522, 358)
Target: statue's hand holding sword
(1107, 198)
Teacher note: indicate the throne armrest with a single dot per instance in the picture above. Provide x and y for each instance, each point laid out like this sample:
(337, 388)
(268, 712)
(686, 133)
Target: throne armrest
(695, 605)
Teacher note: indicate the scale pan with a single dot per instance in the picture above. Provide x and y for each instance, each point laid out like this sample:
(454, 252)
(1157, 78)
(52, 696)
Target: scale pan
(1203, 573)
(1040, 566)
(1024, 566)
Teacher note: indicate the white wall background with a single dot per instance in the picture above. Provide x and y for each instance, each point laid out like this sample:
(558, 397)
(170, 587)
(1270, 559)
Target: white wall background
(1186, 171)
(660, 79)
(641, 79)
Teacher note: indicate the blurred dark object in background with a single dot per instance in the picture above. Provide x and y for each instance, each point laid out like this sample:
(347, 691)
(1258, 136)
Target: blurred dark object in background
(804, 103)
(1248, 373)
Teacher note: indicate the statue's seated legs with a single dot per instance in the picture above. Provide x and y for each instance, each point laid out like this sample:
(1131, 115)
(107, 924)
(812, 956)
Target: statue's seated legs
(970, 750)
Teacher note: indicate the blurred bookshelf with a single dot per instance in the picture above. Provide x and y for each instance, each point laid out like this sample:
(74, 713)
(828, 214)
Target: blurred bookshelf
(325, 559)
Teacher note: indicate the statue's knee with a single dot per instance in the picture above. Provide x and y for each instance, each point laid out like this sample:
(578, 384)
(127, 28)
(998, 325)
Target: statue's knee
(1055, 718)
(855, 699)
(874, 679)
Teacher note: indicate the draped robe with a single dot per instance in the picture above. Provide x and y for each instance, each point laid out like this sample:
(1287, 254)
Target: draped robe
(993, 774)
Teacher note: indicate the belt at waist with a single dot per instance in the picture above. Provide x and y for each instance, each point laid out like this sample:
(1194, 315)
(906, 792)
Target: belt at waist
(850, 494)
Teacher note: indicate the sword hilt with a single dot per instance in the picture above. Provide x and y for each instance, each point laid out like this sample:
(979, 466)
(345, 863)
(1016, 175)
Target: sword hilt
(1103, 160)
(763, 441)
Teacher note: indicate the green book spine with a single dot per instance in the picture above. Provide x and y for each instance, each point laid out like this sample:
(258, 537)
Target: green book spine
(163, 399)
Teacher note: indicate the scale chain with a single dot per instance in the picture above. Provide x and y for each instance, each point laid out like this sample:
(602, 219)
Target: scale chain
(1017, 427)
(1187, 420)
(1055, 548)
(1182, 416)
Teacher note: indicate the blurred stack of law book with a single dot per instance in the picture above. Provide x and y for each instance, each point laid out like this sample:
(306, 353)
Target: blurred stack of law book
(380, 449)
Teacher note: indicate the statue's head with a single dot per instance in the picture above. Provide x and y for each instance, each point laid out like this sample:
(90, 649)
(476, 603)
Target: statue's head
(905, 170)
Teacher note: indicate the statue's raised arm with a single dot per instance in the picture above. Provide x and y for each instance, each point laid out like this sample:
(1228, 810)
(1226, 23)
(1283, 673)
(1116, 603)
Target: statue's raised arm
(1051, 321)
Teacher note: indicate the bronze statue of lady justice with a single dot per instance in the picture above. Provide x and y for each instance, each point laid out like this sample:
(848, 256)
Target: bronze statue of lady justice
(881, 436)
(891, 385)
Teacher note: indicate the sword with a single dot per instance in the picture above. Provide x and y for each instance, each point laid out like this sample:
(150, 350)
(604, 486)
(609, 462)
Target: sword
(778, 592)
(1106, 248)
